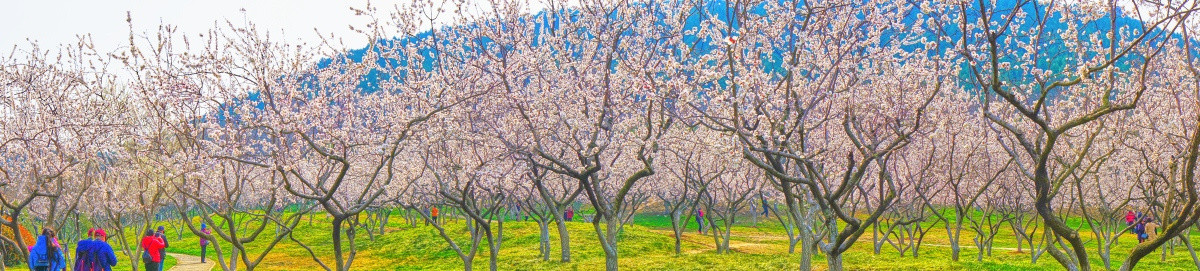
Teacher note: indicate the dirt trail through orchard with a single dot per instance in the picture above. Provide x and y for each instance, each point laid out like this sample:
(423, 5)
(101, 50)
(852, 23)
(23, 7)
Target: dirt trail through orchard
(189, 263)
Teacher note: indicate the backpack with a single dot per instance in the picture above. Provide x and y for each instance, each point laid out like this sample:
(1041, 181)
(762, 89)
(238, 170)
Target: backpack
(43, 260)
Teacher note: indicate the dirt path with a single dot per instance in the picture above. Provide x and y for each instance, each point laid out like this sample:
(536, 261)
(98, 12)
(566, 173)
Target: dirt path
(185, 262)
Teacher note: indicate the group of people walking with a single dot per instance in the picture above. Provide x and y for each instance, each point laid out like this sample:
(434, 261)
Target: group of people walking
(1141, 225)
(91, 254)
(95, 254)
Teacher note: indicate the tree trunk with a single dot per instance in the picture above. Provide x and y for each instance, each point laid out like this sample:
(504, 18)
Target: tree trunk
(387, 213)
(834, 260)
(609, 240)
(544, 243)
(337, 243)
(493, 250)
(955, 250)
(675, 226)
(564, 238)
(806, 254)
(875, 238)
(1184, 238)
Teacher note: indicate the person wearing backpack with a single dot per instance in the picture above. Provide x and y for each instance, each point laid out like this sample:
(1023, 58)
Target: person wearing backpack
(162, 254)
(85, 256)
(45, 255)
(153, 246)
(1139, 230)
(104, 252)
(1151, 229)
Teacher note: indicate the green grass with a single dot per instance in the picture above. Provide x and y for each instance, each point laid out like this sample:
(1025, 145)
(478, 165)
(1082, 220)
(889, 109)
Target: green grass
(647, 245)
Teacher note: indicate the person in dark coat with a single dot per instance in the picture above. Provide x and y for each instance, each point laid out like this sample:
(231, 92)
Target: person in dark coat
(153, 245)
(162, 254)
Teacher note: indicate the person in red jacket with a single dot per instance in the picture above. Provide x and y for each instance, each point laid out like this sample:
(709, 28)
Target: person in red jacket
(433, 212)
(1129, 217)
(153, 246)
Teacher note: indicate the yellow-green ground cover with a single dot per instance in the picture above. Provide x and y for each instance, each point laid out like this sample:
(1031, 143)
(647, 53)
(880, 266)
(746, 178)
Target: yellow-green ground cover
(647, 245)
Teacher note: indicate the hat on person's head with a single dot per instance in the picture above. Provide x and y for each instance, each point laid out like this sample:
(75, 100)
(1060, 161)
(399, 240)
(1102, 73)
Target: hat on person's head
(203, 226)
(91, 232)
(101, 233)
(161, 228)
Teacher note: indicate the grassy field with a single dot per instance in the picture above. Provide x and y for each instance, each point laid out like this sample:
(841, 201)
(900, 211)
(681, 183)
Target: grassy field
(647, 245)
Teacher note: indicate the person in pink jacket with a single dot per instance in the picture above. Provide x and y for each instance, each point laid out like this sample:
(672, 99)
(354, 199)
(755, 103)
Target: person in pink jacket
(204, 241)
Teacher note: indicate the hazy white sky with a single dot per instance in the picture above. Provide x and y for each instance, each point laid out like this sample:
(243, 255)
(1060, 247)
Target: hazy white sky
(52, 22)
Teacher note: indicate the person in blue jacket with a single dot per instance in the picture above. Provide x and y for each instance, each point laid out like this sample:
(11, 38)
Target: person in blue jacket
(104, 252)
(85, 256)
(94, 254)
(45, 255)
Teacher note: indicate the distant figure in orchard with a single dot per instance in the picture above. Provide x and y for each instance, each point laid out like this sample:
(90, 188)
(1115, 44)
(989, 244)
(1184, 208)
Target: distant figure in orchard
(764, 206)
(1129, 218)
(204, 241)
(433, 214)
(1139, 230)
(570, 214)
(699, 220)
(94, 253)
(46, 255)
(1151, 229)
(153, 245)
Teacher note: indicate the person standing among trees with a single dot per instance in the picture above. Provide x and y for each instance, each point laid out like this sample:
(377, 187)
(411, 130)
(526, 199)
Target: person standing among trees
(1139, 229)
(162, 254)
(570, 215)
(1151, 229)
(105, 258)
(204, 241)
(699, 220)
(85, 254)
(433, 213)
(153, 246)
(764, 206)
(45, 255)
(1129, 218)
